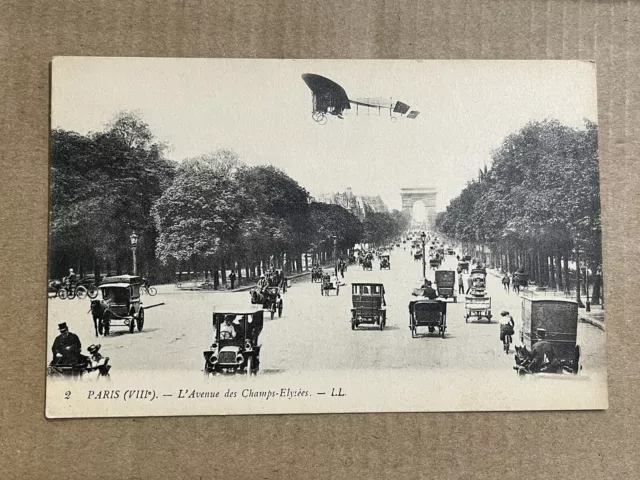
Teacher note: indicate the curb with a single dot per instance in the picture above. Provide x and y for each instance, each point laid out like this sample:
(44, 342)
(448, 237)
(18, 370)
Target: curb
(596, 323)
(250, 287)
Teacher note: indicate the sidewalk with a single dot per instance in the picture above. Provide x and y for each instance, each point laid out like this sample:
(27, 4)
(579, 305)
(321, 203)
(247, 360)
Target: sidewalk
(595, 317)
(245, 288)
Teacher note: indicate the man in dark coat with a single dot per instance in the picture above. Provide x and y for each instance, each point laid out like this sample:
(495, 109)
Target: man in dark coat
(66, 347)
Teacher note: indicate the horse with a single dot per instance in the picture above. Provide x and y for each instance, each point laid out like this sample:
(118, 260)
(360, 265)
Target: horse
(98, 309)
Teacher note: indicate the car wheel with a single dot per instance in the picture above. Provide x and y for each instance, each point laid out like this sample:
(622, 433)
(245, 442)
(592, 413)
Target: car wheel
(140, 320)
(272, 312)
(152, 291)
(249, 366)
(576, 359)
(92, 292)
(280, 310)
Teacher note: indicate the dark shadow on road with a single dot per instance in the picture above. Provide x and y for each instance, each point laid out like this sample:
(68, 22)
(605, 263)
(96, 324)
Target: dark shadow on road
(124, 331)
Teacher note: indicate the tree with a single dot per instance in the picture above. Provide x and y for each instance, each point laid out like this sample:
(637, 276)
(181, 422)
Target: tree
(103, 186)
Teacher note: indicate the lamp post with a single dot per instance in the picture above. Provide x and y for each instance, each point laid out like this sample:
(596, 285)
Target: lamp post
(423, 237)
(134, 248)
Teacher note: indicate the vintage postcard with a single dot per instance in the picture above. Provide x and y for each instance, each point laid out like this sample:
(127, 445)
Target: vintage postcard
(244, 236)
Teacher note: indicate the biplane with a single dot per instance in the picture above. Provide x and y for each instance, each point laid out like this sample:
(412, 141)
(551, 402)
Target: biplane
(329, 98)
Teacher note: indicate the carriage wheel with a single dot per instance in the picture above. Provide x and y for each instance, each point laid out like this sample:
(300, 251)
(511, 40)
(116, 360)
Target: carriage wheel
(152, 291)
(272, 310)
(62, 294)
(71, 294)
(280, 310)
(442, 329)
(81, 292)
(92, 292)
(576, 359)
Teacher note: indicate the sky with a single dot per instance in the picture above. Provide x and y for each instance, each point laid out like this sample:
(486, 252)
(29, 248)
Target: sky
(262, 109)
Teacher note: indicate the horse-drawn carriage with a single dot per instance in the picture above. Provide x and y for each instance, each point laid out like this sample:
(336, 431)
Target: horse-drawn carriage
(463, 266)
(553, 320)
(430, 314)
(316, 274)
(270, 298)
(384, 262)
(235, 347)
(329, 282)
(435, 262)
(120, 305)
(368, 305)
(367, 263)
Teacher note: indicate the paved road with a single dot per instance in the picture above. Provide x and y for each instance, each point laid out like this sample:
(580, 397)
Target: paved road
(314, 332)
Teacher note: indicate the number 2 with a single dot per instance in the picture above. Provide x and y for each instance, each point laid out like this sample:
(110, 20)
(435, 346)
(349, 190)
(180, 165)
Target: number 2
(67, 395)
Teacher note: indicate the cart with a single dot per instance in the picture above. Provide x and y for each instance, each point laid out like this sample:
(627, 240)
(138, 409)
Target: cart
(477, 307)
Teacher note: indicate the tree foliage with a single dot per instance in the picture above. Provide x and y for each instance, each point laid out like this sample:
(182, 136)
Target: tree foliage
(541, 193)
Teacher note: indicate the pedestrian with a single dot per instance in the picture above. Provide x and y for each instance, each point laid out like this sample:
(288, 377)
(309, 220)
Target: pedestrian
(232, 279)
(460, 283)
(505, 282)
(66, 347)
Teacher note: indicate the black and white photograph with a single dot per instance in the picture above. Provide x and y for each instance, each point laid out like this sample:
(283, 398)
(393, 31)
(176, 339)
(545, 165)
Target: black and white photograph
(262, 236)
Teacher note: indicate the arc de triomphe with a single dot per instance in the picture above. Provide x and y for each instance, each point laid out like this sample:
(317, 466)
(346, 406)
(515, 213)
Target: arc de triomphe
(427, 195)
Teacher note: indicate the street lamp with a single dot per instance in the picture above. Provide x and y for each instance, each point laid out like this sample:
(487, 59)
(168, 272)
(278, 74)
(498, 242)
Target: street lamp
(134, 247)
(423, 237)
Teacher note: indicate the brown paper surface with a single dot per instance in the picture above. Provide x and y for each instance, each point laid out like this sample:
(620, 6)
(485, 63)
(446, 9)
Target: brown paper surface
(453, 445)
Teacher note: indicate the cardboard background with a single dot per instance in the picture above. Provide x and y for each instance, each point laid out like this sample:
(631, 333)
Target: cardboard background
(452, 445)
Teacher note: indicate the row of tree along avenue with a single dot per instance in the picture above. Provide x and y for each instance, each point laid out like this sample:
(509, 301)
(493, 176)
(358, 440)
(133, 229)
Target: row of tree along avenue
(208, 214)
(536, 208)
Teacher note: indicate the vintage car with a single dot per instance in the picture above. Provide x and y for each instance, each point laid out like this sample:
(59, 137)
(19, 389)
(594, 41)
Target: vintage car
(271, 300)
(235, 347)
(368, 305)
(417, 255)
(446, 284)
(434, 262)
(367, 263)
(451, 251)
(330, 282)
(553, 318)
(384, 262)
(431, 314)
(124, 308)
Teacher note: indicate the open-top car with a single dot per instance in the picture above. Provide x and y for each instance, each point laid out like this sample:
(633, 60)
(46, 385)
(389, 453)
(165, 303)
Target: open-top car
(384, 262)
(368, 305)
(270, 298)
(235, 347)
(330, 282)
